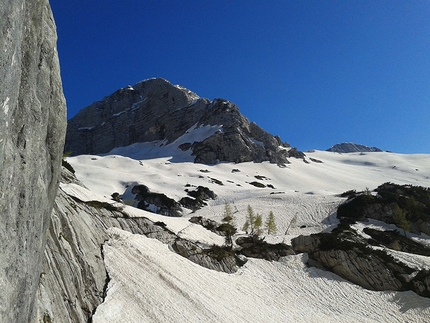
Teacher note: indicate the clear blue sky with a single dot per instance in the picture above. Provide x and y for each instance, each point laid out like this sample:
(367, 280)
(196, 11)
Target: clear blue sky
(315, 73)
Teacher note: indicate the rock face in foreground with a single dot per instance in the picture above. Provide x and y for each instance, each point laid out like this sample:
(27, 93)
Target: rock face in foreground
(349, 147)
(32, 129)
(73, 279)
(154, 110)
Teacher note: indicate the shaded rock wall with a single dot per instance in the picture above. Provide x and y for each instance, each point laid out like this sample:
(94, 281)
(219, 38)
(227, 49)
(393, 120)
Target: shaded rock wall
(150, 110)
(157, 110)
(32, 129)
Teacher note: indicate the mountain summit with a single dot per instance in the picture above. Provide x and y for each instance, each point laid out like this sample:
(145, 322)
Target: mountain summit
(156, 111)
(350, 147)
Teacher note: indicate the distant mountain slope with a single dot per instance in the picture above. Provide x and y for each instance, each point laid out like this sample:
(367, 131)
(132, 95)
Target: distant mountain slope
(350, 147)
(155, 110)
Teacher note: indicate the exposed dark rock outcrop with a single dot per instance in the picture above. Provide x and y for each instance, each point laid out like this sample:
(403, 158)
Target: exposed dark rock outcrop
(156, 202)
(406, 206)
(197, 198)
(157, 110)
(347, 254)
(394, 240)
(209, 224)
(349, 147)
(216, 258)
(255, 247)
(32, 128)
(161, 204)
(351, 255)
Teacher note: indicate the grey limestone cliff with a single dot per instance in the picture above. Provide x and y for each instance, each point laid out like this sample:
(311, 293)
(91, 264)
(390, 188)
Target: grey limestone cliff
(157, 110)
(32, 129)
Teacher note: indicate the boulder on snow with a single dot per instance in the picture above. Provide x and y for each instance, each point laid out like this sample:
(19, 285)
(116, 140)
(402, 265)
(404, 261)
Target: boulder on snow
(196, 199)
(156, 202)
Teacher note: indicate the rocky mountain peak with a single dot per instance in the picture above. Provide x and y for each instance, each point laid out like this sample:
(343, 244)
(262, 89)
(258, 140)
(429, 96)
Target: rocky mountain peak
(155, 110)
(350, 147)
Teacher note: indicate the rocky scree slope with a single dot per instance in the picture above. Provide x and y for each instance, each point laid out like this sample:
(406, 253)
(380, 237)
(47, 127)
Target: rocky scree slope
(32, 130)
(156, 110)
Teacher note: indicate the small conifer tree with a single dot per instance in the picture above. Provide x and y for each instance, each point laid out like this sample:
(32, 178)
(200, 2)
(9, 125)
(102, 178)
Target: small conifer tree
(250, 221)
(271, 224)
(228, 214)
(228, 225)
(400, 219)
(257, 224)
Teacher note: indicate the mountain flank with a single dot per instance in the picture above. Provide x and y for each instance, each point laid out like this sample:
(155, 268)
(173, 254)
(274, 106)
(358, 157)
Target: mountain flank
(154, 110)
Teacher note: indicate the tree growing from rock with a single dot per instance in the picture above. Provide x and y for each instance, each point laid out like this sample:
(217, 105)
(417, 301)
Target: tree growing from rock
(400, 219)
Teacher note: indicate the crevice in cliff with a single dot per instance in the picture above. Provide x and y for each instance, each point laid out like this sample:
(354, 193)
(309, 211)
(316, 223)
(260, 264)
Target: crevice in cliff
(105, 286)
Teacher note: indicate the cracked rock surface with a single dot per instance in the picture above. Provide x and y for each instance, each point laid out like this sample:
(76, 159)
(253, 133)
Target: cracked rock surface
(32, 130)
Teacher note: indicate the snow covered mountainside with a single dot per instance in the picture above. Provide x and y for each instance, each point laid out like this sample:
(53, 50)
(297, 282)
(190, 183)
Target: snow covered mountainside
(148, 280)
(181, 210)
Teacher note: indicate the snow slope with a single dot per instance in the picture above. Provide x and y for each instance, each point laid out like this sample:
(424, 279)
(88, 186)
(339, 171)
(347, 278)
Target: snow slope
(305, 191)
(149, 283)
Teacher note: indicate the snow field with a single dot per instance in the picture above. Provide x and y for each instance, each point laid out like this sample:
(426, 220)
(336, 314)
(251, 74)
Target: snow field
(149, 283)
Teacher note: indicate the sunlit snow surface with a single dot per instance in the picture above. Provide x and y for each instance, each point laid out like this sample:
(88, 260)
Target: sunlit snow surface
(149, 283)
